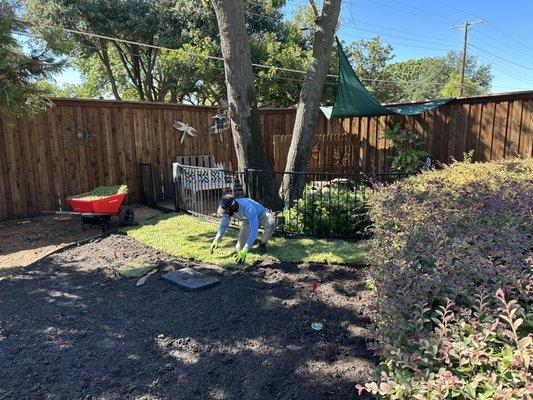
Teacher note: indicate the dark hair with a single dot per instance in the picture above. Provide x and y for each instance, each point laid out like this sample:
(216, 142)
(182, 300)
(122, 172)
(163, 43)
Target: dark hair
(229, 204)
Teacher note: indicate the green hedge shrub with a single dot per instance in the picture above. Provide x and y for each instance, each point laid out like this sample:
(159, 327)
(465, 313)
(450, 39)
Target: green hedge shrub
(407, 149)
(333, 210)
(452, 235)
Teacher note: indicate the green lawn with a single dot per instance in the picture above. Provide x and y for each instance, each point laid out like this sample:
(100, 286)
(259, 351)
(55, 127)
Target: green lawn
(189, 237)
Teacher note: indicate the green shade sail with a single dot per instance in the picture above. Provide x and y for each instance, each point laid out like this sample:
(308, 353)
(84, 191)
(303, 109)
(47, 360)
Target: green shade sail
(353, 100)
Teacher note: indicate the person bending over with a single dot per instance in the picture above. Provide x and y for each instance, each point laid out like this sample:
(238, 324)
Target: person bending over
(252, 215)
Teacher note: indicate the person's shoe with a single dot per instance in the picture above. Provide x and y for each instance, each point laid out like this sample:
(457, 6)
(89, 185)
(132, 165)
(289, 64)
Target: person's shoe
(262, 248)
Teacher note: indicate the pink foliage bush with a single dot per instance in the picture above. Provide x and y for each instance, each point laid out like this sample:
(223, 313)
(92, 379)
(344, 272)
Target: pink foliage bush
(442, 241)
(469, 355)
(449, 234)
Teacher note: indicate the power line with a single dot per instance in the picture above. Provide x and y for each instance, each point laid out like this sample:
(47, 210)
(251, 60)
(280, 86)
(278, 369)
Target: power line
(342, 26)
(256, 3)
(456, 9)
(90, 34)
(397, 36)
(263, 16)
(501, 58)
(204, 66)
(408, 12)
(446, 18)
(221, 59)
(357, 22)
(398, 43)
(509, 36)
(491, 61)
(503, 69)
(504, 44)
(95, 35)
(493, 26)
(499, 49)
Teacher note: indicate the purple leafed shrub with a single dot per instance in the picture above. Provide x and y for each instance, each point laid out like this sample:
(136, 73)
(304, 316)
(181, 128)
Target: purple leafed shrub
(447, 237)
(470, 354)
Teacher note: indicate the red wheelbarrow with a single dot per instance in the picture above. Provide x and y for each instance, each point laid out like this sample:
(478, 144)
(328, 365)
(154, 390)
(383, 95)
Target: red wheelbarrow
(98, 209)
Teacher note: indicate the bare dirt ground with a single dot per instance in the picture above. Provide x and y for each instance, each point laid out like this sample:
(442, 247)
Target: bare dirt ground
(24, 241)
(70, 329)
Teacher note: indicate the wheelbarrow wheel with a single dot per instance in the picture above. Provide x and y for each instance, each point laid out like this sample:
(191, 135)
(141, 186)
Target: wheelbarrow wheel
(126, 216)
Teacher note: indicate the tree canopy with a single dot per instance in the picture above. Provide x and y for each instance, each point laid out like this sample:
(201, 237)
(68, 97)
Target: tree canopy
(191, 72)
(424, 78)
(186, 74)
(20, 67)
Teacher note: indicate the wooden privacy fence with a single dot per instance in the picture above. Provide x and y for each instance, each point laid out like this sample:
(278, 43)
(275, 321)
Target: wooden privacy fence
(80, 144)
(496, 126)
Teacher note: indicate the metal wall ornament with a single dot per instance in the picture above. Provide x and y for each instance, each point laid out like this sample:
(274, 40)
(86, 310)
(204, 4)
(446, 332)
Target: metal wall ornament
(341, 159)
(221, 124)
(79, 135)
(315, 152)
(186, 129)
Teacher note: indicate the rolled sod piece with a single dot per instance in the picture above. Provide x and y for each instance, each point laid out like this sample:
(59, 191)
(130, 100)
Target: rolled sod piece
(102, 191)
(135, 269)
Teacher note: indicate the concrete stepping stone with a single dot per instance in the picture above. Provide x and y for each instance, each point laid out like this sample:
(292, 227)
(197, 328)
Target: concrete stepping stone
(190, 279)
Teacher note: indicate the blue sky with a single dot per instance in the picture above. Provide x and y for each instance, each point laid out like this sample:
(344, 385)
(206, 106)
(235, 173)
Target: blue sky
(417, 28)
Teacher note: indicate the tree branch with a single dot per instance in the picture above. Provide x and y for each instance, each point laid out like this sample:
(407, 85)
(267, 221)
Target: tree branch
(315, 8)
(124, 61)
(103, 54)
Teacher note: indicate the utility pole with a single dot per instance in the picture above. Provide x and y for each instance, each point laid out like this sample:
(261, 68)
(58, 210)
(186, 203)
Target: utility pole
(466, 26)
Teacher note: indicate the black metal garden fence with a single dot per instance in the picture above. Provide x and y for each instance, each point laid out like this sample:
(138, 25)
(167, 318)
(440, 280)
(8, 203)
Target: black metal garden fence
(329, 205)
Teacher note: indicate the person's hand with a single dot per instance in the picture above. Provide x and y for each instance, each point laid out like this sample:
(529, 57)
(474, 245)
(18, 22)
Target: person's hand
(241, 255)
(214, 245)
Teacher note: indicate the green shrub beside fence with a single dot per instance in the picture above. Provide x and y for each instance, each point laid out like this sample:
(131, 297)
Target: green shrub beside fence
(329, 211)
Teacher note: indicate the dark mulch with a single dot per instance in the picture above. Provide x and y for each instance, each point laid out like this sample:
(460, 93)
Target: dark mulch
(70, 329)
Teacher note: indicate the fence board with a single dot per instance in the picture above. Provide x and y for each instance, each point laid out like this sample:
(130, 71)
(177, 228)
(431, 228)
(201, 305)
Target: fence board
(29, 165)
(500, 129)
(512, 137)
(487, 131)
(57, 165)
(474, 126)
(6, 204)
(44, 163)
(526, 137)
(16, 180)
(381, 146)
(364, 146)
(463, 132)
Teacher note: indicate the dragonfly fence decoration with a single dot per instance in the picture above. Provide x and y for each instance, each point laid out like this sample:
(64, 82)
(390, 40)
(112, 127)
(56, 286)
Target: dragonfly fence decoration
(186, 129)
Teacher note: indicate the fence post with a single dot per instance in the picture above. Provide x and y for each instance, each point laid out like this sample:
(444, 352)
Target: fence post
(246, 182)
(177, 202)
(179, 195)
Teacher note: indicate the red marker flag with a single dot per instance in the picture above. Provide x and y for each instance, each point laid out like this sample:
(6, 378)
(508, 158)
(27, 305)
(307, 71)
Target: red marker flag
(314, 286)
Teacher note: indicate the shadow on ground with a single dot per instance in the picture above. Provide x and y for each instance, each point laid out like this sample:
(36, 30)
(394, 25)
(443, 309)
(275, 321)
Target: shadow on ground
(70, 330)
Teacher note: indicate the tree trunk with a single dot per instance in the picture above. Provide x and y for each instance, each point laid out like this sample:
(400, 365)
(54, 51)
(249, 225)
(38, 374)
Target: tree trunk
(244, 115)
(309, 103)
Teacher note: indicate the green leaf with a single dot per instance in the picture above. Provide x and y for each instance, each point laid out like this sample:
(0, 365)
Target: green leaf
(524, 342)
(526, 358)
(470, 391)
(517, 323)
